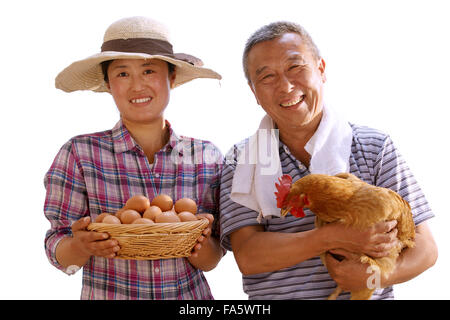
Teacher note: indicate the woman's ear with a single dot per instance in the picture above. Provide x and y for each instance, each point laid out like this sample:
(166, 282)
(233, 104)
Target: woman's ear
(172, 77)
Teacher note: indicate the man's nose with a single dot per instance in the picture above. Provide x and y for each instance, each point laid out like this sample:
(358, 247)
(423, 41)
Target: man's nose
(285, 84)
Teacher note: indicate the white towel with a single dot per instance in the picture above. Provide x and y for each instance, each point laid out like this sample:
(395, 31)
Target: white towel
(258, 167)
(258, 164)
(331, 144)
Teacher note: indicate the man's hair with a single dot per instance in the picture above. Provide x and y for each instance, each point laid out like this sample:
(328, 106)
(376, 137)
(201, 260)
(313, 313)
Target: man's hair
(275, 30)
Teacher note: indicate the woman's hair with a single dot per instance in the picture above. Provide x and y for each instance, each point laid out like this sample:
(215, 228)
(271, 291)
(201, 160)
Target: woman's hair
(105, 65)
(275, 30)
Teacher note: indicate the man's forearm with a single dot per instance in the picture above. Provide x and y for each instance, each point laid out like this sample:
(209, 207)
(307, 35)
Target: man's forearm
(414, 261)
(260, 251)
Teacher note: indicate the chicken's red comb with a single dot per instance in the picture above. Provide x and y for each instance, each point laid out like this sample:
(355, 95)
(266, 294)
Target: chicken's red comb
(283, 189)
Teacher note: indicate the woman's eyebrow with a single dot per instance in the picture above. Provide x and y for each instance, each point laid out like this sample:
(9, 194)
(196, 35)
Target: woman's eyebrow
(123, 66)
(148, 63)
(119, 66)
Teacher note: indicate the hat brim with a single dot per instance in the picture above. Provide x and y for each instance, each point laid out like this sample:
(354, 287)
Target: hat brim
(87, 74)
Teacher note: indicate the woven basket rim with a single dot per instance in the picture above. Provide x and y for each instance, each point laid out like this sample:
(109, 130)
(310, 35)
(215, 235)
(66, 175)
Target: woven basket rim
(153, 225)
(155, 241)
(165, 227)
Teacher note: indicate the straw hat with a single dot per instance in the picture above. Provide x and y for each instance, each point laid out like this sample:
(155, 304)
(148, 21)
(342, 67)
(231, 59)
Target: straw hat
(131, 38)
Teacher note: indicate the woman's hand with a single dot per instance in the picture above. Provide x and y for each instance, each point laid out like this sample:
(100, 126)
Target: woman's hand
(207, 252)
(204, 237)
(83, 244)
(91, 243)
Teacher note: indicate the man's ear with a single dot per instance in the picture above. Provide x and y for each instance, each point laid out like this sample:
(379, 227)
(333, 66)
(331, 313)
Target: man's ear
(322, 69)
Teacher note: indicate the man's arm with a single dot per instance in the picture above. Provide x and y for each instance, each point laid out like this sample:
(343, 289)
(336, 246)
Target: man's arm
(414, 261)
(258, 251)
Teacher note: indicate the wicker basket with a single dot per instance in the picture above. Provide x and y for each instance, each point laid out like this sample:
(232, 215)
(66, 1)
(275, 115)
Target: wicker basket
(156, 241)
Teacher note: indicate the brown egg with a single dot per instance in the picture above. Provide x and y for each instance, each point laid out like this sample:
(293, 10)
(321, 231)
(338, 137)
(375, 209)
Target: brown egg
(111, 219)
(167, 216)
(128, 216)
(187, 216)
(152, 212)
(101, 216)
(163, 201)
(139, 203)
(143, 221)
(119, 212)
(186, 204)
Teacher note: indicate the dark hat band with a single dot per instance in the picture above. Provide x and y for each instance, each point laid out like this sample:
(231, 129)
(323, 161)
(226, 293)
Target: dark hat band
(148, 46)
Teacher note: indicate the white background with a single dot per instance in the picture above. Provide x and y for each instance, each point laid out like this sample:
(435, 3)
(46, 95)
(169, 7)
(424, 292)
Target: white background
(387, 67)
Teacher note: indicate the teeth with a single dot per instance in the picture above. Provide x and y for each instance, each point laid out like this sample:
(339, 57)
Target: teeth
(142, 100)
(291, 103)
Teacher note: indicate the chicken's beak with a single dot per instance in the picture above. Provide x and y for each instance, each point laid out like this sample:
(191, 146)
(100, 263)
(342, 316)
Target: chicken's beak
(285, 211)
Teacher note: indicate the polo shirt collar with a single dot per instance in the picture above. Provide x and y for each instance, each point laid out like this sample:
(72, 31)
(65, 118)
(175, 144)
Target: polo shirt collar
(123, 141)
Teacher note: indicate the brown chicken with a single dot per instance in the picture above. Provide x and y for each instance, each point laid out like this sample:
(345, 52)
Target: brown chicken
(351, 201)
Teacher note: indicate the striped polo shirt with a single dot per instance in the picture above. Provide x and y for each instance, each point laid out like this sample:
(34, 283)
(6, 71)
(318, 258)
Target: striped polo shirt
(374, 159)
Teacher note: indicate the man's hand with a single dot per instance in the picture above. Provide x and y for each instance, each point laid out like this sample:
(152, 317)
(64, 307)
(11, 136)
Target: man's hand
(349, 273)
(376, 241)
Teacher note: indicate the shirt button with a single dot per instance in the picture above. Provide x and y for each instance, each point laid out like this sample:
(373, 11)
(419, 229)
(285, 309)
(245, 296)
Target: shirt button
(156, 269)
(157, 175)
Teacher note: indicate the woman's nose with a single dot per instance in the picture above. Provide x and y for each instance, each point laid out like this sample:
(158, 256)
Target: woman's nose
(137, 83)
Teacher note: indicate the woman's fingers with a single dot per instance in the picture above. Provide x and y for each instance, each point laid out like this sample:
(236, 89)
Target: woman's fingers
(91, 242)
(104, 248)
(80, 224)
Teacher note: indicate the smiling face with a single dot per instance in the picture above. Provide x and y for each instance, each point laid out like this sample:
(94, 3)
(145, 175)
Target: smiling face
(287, 80)
(140, 88)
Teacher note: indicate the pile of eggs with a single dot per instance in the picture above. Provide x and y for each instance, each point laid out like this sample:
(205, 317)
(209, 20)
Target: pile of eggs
(139, 210)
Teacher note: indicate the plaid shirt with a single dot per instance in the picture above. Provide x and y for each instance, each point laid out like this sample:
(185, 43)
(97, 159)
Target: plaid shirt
(97, 173)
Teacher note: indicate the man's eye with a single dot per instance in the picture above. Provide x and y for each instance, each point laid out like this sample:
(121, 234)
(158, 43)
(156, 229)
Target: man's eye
(148, 71)
(122, 74)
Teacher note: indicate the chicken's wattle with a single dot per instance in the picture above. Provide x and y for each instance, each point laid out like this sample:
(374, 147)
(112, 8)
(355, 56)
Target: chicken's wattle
(298, 212)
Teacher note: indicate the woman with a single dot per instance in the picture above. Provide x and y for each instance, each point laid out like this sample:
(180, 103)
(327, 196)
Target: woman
(95, 173)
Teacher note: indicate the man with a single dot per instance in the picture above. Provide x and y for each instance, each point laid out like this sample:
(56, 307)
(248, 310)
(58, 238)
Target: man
(279, 258)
